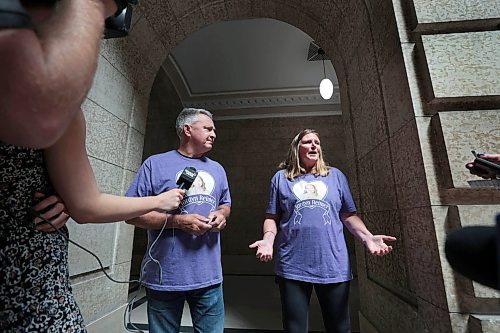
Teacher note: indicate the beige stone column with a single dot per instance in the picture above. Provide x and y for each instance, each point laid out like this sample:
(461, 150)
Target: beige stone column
(116, 109)
(452, 58)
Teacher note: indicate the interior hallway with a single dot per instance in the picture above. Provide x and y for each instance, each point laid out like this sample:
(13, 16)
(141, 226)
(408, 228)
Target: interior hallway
(418, 89)
(252, 304)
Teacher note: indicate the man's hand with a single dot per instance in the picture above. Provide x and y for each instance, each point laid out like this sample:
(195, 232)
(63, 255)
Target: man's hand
(54, 212)
(217, 221)
(193, 224)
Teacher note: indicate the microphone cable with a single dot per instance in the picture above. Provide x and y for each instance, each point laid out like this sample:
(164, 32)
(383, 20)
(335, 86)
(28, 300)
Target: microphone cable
(128, 309)
(83, 248)
(127, 314)
(151, 259)
(127, 321)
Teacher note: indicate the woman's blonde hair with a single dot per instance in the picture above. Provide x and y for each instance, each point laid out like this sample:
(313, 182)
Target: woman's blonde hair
(292, 165)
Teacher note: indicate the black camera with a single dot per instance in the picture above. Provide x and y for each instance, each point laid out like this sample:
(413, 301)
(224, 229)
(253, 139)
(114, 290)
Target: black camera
(118, 25)
(14, 16)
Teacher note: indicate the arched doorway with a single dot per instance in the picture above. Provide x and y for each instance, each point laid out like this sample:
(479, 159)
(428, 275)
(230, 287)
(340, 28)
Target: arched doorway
(387, 119)
(365, 59)
(260, 79)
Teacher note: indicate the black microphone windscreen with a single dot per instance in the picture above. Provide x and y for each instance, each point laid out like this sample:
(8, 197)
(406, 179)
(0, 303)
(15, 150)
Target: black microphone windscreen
(187, 178)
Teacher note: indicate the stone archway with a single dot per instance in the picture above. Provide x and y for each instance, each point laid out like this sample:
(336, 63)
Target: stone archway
(386, 111)
(359, 62)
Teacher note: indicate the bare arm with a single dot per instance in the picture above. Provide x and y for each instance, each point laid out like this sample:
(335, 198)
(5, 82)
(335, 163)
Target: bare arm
(265, 246)
(48, 71)
(374, 243)
(193, 224)
(73, 179)
(152, 220)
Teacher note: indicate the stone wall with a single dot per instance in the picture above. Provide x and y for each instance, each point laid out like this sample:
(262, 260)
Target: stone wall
(419, 89)
(451, 56)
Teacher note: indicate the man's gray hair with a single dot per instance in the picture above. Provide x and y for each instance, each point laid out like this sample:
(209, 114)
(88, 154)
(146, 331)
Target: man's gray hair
(189, 116)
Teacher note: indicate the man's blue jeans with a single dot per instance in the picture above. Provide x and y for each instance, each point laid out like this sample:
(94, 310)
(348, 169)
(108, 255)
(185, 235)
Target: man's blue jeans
(206, 306)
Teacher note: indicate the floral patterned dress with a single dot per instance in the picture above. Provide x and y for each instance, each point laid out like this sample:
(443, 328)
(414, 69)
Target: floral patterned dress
(35, 293)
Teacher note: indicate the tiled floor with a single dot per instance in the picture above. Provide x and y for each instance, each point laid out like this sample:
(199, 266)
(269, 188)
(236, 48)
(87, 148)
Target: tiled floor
(252, 305)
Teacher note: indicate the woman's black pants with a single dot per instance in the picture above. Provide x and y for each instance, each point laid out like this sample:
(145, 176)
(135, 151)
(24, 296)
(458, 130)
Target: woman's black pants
(333, 299)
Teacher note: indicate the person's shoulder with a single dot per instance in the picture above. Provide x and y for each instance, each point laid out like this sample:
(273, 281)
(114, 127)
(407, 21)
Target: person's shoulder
(160, 157)
(280, 174)
(209, 160)
(213, 162)
(334, 172)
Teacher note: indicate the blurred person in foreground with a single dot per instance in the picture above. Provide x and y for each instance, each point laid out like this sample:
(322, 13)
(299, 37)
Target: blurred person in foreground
(47, 60)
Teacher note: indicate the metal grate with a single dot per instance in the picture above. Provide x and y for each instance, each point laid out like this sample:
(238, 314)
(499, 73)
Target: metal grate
(312, 53)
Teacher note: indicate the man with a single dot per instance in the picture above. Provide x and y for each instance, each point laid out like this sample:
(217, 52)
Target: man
(183, 258)
(48, 59)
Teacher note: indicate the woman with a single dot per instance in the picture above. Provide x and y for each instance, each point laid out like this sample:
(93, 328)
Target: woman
(310, 242)
(35, 292)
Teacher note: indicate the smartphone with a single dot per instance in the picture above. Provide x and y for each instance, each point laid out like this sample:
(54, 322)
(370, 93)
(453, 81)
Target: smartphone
(491, 166)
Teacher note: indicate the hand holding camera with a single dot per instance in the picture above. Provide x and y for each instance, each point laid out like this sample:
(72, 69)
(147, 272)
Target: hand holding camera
(485, 165)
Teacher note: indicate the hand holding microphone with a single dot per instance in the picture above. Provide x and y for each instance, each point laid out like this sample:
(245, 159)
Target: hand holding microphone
(193, 224)
(187, 177)
(171, 200)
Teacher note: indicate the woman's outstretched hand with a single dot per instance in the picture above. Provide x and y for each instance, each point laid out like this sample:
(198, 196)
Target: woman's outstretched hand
(376, 244)
(264, 250)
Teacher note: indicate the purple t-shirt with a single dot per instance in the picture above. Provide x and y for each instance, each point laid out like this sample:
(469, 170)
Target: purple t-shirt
(188, 262)
(310, 241)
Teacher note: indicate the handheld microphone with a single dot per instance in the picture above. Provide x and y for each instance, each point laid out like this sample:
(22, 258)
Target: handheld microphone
(187, 178)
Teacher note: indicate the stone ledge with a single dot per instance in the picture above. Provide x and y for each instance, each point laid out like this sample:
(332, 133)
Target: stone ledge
(365, 326)
(470, 196)
(484, 323)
